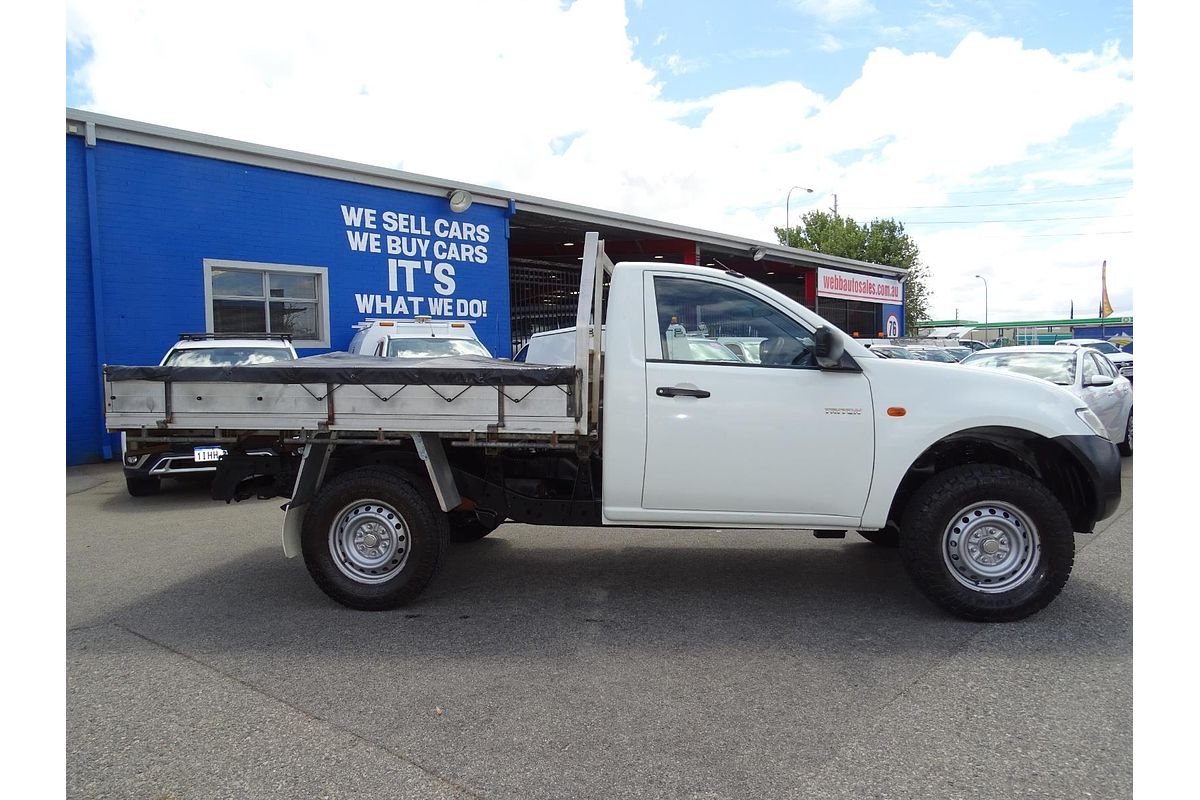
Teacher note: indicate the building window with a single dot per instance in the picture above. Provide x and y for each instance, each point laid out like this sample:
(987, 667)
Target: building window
(852, 316)
(249, 297)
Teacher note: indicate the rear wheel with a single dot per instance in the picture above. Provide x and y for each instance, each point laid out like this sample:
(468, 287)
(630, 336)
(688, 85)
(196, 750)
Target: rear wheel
(372, 539)
(1126, 447)
(141, 486)
(987, 543)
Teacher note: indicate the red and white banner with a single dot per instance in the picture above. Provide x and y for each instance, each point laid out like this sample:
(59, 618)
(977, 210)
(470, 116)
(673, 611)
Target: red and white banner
(856, 286)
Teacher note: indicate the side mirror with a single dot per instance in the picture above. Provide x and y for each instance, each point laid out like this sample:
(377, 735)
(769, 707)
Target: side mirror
(827, 347)
(1099, 380)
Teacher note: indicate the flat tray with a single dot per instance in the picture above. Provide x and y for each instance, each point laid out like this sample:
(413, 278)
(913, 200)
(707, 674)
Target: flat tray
(343, 368)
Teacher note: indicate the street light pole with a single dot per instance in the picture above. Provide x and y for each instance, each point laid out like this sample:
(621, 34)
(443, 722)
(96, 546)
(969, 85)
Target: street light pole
(787, 219)
(985, 300)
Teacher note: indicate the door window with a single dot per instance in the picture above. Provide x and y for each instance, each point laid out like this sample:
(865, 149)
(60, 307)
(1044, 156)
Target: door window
(1090, 370)
(702, 321)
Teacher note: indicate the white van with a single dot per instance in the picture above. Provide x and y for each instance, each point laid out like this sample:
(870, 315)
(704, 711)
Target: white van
(421, 337)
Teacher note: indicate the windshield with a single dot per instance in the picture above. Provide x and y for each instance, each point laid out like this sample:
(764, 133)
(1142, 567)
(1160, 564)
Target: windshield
(745, 349)
(435, 348)
(226, 356)
(1051, 367)
(940, 355)
(1104, 347)
(707, 350)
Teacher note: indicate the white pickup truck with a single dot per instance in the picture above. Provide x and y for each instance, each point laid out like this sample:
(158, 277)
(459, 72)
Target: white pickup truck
(980, 478)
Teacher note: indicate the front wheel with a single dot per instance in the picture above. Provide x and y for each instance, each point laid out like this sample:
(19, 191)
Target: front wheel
(372, 540)
(1126, 447)
(987, 543)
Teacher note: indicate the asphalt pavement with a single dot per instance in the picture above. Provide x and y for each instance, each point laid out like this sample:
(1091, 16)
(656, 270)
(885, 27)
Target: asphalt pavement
(555, 662)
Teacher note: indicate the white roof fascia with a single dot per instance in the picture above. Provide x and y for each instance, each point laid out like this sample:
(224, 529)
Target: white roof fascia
(144, 134)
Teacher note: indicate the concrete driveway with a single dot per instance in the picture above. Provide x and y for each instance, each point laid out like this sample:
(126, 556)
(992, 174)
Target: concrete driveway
(546, 663)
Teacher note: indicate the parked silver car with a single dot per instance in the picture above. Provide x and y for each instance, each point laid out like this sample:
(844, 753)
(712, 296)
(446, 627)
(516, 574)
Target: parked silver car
(1084, 372)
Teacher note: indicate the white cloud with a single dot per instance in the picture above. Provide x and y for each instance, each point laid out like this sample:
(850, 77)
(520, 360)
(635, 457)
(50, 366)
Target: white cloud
(678, 65)
(831, 11)
(829, 43)
(549, 100)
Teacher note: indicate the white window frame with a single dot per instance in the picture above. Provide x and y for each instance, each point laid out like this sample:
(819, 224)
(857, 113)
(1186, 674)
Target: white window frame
(321, 273)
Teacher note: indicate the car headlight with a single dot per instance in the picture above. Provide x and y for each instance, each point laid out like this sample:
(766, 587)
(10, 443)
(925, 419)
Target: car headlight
(1093, 422)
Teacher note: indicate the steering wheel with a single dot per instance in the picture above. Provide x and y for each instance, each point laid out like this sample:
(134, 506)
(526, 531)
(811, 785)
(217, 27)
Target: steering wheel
(786, 351)
(805, 359)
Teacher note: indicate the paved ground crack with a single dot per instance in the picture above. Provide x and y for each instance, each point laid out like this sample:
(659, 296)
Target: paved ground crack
(305, 712)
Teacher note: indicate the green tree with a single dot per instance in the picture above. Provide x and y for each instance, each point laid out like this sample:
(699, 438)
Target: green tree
(881, 241)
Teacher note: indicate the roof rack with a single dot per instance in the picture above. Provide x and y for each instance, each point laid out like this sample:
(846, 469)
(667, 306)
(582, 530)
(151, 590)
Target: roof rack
(200, 337)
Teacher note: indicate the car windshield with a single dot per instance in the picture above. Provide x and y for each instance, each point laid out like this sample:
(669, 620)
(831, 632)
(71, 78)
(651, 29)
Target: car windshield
(750, 349)
(435, 348)
(1051, 367)
(1104, 347)
(940, 355)
(226, 356)
(708, 350)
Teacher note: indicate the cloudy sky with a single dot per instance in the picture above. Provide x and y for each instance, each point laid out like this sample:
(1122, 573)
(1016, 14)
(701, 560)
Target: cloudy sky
(998, 131)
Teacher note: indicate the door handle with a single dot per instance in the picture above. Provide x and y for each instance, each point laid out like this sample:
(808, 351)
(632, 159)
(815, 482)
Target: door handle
(675, 391)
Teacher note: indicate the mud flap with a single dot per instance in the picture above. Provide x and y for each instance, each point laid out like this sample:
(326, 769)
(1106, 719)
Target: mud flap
(312, 471)
(293, 519)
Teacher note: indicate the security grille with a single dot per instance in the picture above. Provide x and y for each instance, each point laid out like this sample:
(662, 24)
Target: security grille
(544, 296)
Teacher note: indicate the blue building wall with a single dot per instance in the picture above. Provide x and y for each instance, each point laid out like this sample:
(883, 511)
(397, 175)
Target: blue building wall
(161, 214)
(84, 428)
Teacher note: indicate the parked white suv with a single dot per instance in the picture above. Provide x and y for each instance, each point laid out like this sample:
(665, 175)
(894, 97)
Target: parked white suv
(1122, 360)
(422, 337)
(145, 470)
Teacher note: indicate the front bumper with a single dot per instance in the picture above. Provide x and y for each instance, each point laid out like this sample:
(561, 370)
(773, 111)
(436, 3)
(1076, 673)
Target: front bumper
(176, 462)
(1102, 464)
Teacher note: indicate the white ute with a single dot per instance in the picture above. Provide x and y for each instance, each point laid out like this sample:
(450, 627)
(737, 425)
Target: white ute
(980, 478)
(422, 337)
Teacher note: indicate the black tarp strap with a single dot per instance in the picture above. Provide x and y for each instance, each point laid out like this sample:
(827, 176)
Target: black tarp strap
(390, 396)
(330, 389)
(517, 399)
(450, 399)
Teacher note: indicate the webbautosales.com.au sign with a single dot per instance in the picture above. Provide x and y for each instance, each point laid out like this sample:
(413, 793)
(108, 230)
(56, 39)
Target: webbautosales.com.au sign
(856, 286)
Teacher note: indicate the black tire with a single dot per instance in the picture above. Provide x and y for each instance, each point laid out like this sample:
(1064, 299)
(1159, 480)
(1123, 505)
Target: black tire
(1126, 447)
(467, 527)
(141, 486)
(1002, 504)
(419, 533)
(886, 537)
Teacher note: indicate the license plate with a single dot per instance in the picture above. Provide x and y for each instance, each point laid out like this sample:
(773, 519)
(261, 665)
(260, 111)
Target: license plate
(203, 454)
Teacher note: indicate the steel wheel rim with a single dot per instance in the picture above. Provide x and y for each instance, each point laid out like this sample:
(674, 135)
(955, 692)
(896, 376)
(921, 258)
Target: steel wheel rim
(1129, 431)
(991, 547)
(369, 541)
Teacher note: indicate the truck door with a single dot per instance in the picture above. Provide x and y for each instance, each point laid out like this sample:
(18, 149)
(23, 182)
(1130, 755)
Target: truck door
(737, 438)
